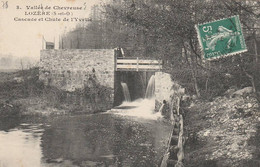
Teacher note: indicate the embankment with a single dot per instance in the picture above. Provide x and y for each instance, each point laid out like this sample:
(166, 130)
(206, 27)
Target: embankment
(22, 93)
(174, 154)
(223, 132)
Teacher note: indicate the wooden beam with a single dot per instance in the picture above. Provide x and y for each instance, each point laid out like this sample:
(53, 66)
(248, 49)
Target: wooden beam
(135, 66)
(140, 61)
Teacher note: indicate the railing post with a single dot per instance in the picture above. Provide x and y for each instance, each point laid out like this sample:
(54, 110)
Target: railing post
(137, 65)
(115, 61)
(160, 64)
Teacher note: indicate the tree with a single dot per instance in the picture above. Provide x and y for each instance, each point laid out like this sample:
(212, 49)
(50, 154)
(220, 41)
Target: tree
(165, 30)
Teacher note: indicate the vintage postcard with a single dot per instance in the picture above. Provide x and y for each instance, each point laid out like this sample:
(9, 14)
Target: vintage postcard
(129, 83)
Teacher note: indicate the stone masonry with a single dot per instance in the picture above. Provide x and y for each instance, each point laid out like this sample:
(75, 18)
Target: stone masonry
(73, 70)
(163, 86)
(166, 89)
(70, 70)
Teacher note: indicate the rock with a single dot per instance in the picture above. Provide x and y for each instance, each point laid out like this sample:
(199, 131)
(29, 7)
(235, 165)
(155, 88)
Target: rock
(206, 133)
(249, 105)
(186, 97)
(234, 147)
(194, 97)
(18, 79)
(240, 122)
(191, 105)
(243, 91)
(219, 98)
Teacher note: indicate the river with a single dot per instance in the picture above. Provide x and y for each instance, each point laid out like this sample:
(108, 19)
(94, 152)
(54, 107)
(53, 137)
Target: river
(98, 140)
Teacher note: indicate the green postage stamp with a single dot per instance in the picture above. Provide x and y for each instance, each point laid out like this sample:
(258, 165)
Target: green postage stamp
(221, 38)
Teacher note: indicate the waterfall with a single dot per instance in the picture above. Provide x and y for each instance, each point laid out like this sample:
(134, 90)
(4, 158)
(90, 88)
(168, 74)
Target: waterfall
(150, 88)
(141, 108)
(126, 92)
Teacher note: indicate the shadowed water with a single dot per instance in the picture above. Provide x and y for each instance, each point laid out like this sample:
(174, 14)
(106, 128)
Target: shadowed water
(87, 140)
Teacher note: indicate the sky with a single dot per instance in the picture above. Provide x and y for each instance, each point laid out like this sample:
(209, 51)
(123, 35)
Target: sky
(24, 38)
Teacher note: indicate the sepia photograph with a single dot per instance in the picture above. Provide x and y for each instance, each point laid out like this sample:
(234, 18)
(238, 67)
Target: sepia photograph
(129, 83)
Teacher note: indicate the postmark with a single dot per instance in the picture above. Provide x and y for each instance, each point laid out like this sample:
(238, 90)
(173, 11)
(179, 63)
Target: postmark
(221, 38)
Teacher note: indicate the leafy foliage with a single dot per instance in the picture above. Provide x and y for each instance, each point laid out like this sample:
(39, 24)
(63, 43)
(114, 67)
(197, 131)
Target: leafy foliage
(165, 30)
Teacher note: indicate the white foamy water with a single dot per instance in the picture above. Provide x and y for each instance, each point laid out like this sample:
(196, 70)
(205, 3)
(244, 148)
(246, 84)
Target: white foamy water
(149, 94)
(126, 92)
(142, 108)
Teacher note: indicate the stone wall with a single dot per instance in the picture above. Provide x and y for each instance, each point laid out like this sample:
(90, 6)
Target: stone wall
(73, 70)
(166, 89)
(163, 85)
(94, 70)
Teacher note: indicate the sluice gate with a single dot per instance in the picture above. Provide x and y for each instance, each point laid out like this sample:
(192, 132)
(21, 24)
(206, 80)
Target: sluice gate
(137, 64)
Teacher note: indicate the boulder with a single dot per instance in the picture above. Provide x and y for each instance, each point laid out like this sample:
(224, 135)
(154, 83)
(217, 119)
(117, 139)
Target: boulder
(230, 92)
(18, 79)
(243, 91)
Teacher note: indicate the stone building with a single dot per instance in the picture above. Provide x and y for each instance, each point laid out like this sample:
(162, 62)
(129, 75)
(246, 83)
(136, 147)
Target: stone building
(93, 74)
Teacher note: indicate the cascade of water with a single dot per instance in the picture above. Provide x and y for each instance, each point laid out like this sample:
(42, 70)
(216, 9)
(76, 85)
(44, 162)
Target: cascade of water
(150, 88)
(143, 108)
(126, 92)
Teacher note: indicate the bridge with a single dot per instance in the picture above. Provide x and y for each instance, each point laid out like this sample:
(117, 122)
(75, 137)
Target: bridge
(136, 64)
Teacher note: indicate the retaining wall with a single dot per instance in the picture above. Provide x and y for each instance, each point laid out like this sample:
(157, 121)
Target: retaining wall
(73, 70)
(163, 86)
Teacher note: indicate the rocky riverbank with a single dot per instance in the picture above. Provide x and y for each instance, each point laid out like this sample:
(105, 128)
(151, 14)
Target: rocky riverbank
(224, 132)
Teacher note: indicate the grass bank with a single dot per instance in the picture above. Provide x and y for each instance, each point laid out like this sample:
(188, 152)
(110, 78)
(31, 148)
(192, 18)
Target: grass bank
(22, 93)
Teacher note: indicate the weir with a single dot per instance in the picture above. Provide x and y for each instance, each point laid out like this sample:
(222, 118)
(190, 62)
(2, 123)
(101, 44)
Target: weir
(77, 69)
(150, 88)
(137, 86)
(143, 107)
(126, 92)
(136, 81)
(149, 93)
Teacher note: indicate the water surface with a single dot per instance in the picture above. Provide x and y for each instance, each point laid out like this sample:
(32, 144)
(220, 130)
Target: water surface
(102, 140)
